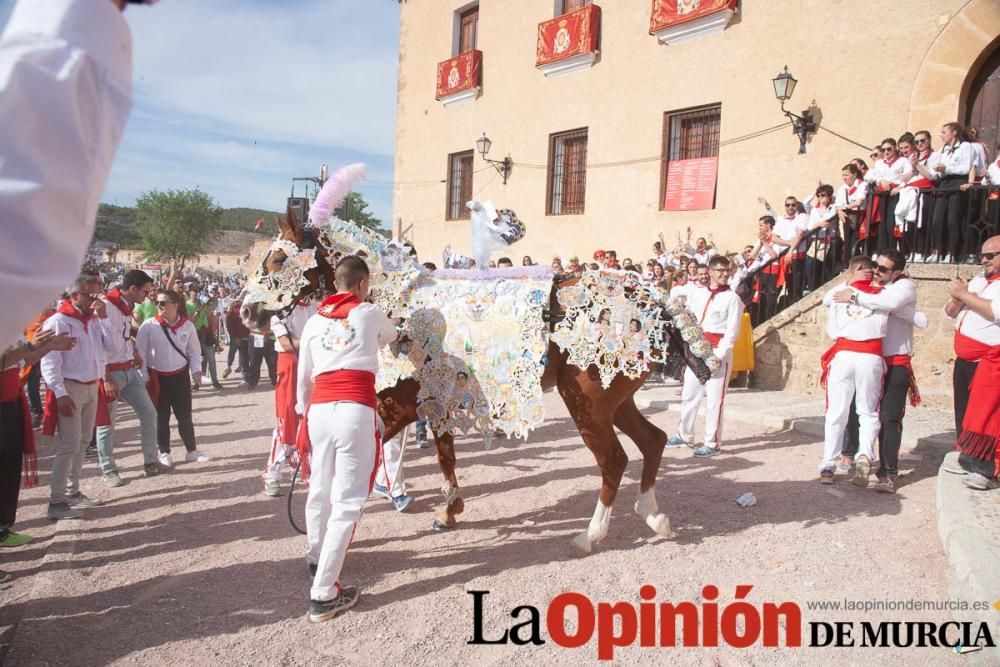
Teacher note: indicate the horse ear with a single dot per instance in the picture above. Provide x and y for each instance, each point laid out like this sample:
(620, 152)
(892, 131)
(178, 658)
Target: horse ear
(282, 225)
(293, 222)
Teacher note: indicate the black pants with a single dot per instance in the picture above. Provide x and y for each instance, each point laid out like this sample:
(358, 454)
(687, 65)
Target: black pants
(892, 407)
(961, 379)
(11, 451)
(768, 304)
(35, 389)
(946, 225)
(798, 278)
(257, 355)
(175, 394)
(237, 345)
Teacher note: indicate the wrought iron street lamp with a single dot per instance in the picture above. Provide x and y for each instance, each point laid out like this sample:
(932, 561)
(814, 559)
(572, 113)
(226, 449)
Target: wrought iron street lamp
(802, 126)
(503, 167)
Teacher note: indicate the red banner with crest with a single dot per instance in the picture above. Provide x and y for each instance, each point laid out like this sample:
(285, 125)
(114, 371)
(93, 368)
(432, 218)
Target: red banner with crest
(668, 13)
(462, 72)
(568, 35)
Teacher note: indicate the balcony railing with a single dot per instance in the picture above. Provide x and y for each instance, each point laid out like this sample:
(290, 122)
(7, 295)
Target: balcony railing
(676, 21)
(947, 226)
(569, 42)
(459, 79)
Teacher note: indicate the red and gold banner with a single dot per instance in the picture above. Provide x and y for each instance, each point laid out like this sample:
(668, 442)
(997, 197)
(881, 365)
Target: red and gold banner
(462, 72)
(668, 13)
(691, 184)
(568, 35)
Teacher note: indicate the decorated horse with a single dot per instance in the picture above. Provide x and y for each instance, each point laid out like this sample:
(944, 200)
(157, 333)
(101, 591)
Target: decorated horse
(480, 346)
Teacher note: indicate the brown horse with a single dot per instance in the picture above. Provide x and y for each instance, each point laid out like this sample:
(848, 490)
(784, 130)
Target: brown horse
(596, 411)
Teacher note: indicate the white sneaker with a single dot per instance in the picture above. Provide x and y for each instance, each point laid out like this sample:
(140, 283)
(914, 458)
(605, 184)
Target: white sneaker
(196, 457)
(166, 460)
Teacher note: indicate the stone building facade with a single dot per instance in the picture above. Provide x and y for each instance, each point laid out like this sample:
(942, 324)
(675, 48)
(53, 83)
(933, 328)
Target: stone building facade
(867, 69)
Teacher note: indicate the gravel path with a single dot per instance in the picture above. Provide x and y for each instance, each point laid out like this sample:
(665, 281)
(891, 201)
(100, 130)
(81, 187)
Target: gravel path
(198, 567)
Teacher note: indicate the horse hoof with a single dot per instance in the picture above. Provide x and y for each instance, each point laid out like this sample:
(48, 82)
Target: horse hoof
(660, 524)
(583, 543)
(457, 506)
(440, 526)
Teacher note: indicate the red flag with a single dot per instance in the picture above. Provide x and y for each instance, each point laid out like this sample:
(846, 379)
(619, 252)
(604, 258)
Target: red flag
(260, 224)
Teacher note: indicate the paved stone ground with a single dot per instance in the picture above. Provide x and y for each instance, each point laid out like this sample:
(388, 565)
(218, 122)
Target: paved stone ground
(198, 567)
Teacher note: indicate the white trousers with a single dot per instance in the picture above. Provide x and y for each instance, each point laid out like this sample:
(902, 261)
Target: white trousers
(390, 468)
(343, 467)
(714, 393)
(858, 376)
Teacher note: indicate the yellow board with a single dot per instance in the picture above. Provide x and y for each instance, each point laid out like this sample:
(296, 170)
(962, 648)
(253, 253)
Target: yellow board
(743, 350)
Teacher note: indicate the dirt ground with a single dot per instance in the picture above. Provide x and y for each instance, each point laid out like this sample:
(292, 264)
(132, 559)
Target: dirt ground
(198, 567)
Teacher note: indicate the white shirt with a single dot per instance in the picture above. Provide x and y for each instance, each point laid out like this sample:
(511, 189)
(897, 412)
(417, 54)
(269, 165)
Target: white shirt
(294, 322)
(897, 173)
(701, 257)
(117, 335)
(818, 216)
(973, 324)
(978, 157)
(853, 321)
(993, 173)
(957, 159)
(720, 314)
(682, 292)
(845, 197)
(66, 86)
(157, 352)
(786, 228)
(899, 300)
(351, 343)
(84, 363)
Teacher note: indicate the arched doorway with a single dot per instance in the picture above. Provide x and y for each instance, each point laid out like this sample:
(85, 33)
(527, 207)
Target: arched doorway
(983, 103)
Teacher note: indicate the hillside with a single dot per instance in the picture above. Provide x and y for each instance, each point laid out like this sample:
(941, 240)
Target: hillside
(117, 225)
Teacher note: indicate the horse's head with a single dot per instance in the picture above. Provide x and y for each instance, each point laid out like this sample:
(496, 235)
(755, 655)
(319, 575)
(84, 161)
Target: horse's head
(291, 270)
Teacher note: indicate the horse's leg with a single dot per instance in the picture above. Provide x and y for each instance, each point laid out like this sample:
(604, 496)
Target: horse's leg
(453, 504)
(592, 409)
(650, 440)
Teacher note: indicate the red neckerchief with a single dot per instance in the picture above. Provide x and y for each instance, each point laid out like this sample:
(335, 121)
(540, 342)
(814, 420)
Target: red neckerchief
(867, 288)
(993, 277)
(338, 306)
(711, 295)
(69, 310)
(923, 156)
(116, 298)
(891, 162)
(853, 188)
(181, 319)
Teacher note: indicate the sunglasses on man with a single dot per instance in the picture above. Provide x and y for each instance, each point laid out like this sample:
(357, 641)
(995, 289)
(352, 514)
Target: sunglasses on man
(989, 256)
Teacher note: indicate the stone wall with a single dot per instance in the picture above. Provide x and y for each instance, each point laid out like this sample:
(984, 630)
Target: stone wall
(788, 346)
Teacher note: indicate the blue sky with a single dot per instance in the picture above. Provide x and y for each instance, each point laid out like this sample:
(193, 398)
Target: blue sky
(238, 96)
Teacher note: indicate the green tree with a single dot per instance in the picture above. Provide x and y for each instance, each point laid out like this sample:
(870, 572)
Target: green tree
(356, 210)
(177, 225)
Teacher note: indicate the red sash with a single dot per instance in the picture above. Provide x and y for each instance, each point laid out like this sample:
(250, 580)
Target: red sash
(50, 412)
(921, 183)
(153, 384)
(980, 437)
(10, 390)
(871, 346)
(906, 361)
(713, 338)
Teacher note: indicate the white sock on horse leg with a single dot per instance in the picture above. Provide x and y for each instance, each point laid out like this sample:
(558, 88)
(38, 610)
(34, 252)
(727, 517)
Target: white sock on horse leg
(596, 530)
(646, 507)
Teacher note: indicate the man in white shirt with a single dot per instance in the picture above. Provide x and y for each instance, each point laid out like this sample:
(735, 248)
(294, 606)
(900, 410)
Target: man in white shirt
(764, 256)
(122, 377)
(719, 311)
(338, 360)
(898, 299)
(67, 64)
(71, 377)
(853, 368)
(976, 306)
(792, 227)
(954, 168)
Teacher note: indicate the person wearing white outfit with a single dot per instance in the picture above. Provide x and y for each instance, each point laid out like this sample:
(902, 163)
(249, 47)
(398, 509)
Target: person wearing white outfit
(853, 368)
(71, 378)
(719, 311)
(338, 360)
(67, 66)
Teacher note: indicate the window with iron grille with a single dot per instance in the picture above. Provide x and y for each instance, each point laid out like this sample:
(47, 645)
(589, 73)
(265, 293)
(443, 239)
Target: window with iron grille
(459, 185)
(567, 172)
(573, 5)
(688, 135)
(468, 29)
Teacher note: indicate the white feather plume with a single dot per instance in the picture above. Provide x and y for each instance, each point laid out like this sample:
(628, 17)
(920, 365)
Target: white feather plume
(334, 191)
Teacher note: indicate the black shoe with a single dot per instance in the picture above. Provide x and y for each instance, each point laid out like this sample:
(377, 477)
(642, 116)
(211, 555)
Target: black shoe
(195, 387)
(312, 569)
(5, 576)
(90, 452)
(216, 385)
(324, 611)
(36, 421)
